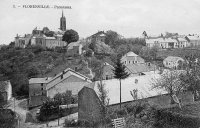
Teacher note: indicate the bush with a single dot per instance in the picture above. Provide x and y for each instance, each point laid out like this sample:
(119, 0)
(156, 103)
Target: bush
(176, 119)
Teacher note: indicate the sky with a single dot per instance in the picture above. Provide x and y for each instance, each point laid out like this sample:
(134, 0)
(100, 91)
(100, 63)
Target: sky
(127, 17)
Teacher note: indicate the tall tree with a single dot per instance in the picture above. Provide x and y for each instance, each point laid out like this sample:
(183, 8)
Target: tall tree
(69, 37)
(120, 73)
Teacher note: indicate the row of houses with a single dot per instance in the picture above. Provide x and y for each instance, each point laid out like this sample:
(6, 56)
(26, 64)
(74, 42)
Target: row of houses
(173, 42)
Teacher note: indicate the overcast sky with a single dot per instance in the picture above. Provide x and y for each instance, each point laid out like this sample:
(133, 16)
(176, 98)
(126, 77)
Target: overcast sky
(128, 17)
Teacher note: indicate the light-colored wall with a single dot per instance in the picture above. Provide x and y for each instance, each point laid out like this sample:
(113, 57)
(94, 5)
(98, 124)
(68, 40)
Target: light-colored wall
(171, 64)
(72, 83)
(52, 43)
(136, 59)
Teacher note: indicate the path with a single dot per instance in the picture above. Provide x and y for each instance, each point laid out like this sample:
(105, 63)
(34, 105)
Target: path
(22, 117)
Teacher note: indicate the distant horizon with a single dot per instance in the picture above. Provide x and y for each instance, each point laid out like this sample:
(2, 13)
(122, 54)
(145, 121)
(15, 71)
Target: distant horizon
(128, 18)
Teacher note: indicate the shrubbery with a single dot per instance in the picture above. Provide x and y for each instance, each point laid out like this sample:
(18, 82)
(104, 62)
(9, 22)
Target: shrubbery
(164, 117)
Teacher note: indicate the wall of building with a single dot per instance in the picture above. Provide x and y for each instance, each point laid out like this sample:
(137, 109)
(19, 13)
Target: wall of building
(132, 60)
(72, 83)
(37, 94)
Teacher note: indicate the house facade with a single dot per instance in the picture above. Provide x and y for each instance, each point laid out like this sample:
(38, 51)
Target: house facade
(162, 43)
(182, 42)
(37, 91)
(41, 88)
(75, 48)
(107, 71)
(100, 36)
(193, 40)
(172, 61)
(6, 90)
(131, 58)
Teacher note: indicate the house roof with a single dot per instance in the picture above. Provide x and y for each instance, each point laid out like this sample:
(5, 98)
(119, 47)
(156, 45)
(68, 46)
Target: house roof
(142, 83)
(195, 37)
(181, 39)
(39, 80)
(71, 45)
(140, 67)
(173, 58)
(130, 54)
(69, 72)
(4, 85)
(159, 40)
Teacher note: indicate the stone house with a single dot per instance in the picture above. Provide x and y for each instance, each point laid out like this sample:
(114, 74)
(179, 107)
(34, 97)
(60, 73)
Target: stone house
(100, 36)
(41, 88)
(107, 71)
(161, 42)
(194, 40)
(75, 49)
(182, 42)
(131, 58)
(37, 91)
(67, 80)
(172, 61)
(6, 90)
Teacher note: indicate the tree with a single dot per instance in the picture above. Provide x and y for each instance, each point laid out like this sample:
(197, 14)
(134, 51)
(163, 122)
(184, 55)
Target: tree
(170, 82)
(111, 37)
(120, 73)
(70, 36)
(192, 77)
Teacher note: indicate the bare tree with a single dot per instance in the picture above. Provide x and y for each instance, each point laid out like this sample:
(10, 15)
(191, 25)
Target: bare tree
(170, 82)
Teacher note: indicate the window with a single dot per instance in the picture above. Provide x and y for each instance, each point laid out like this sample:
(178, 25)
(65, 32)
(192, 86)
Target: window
(129, 62)
(135, 61)
(61, 76)
(42, 88)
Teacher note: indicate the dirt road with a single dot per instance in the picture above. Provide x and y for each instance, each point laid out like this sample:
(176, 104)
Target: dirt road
(21, 112)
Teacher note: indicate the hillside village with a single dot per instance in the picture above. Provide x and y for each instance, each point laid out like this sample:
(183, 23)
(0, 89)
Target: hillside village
(76, 82)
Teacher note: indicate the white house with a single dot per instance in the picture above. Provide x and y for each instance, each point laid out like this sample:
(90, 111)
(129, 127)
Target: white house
(162, 43)
(193, 40)
(172, 61)
(182, 42)
(131, 58)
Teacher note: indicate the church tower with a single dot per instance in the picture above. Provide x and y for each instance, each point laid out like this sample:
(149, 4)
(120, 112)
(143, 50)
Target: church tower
(63, 23)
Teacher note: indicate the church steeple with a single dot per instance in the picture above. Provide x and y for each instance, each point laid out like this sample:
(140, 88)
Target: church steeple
(63, 22)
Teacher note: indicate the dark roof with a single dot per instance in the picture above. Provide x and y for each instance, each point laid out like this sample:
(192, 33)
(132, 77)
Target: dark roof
(140, 67)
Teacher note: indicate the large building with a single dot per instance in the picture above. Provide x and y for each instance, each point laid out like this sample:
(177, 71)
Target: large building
(162, 43)
(43, 37)
(41, 88)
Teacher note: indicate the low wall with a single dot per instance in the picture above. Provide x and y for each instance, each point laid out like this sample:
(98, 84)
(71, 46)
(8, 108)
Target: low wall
(160, 100)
